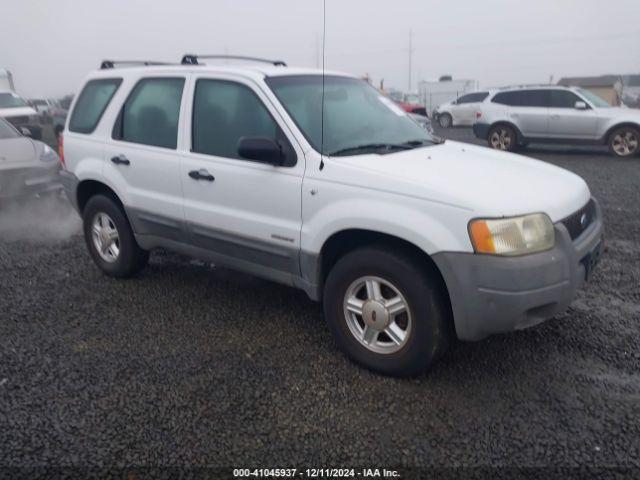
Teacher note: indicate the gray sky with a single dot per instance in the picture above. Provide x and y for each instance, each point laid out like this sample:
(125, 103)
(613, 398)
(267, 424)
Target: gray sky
(50, 45)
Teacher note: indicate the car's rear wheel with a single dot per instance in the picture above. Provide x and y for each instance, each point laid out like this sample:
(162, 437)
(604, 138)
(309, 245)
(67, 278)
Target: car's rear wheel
(386, 312)
(110, 239)
(624, 142)
(445, 120)
(503, 137)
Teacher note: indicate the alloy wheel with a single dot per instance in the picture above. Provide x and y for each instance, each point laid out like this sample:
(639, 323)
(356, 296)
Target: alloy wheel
(377, 314)
(106, 239)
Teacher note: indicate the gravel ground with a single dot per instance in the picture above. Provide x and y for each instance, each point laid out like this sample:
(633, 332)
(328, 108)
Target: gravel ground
(191, 365)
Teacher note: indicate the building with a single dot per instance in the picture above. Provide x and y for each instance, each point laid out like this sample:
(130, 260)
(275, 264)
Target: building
(607, 87)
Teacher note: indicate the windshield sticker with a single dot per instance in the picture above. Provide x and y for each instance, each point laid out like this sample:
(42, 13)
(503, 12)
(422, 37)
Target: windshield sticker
(392, 106)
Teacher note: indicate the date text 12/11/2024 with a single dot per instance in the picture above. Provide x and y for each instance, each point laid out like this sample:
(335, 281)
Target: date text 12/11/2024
(316, 473)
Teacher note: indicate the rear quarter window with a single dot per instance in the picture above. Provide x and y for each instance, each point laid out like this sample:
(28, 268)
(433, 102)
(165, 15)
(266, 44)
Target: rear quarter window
(92, 103)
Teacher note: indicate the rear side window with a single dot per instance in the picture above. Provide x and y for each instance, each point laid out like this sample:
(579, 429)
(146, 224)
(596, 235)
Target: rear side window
(92, 103)
(223, 112)
(151, 113)
(523, 98)
(472, 98)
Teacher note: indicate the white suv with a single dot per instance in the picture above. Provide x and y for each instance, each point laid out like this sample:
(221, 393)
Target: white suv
(514, 117)
(461, 111)
(406, 239)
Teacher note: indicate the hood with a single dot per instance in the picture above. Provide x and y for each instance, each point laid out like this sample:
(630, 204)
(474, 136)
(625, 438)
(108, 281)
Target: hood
(485, 181)
(17, 150)
(17, 112)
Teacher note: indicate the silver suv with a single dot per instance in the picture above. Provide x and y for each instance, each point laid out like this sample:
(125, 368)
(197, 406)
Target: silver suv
(514, 117)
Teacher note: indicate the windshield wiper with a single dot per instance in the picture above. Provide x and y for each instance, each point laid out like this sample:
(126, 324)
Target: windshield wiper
(373, 146)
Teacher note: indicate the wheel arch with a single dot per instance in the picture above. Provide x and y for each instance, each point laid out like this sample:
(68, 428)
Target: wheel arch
(89, 188)
(605, 138)
(344, 241)
(519, 135)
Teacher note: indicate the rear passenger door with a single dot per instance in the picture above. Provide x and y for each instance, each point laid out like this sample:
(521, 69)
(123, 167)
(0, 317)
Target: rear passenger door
(246, 212)
(568, 122)
(466, 108)
(141, 156)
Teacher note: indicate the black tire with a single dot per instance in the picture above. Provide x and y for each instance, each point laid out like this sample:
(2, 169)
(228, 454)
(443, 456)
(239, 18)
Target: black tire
(431, 326)
(624, 142)
(131, 258)
(445, 120)
(503, 137)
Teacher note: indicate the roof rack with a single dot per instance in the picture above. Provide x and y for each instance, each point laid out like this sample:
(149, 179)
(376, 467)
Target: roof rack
(106, 64)
(191, 59)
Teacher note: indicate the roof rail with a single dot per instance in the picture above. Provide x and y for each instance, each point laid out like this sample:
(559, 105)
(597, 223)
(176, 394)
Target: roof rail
(191, 59)
(106, 64)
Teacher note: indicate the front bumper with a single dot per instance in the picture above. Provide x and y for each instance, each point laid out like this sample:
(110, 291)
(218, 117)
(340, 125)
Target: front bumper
(481, 130)
(29, 182)
(492, 294)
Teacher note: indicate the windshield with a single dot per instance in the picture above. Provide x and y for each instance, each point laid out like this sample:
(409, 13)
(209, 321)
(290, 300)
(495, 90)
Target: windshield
(595, 100)
(7, 131)
(11, 100)
(357, 118)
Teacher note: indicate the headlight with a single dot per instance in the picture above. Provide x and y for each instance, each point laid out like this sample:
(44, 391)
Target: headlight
(512, 236)
(48, 155)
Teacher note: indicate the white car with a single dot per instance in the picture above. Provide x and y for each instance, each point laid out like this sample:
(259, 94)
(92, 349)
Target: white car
(406, 239)
(461, 111)
(514, 117)
(15, 110)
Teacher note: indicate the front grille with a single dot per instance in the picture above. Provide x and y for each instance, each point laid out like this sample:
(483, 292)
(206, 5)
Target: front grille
(579, 221)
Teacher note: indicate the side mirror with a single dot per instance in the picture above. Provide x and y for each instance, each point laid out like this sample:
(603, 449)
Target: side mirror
(26, 132)
(261, 149)
(581, 105)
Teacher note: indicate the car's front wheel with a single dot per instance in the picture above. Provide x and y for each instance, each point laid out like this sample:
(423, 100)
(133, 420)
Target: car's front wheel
(445, 120)
(110, 239)
(386, 312)
(624, 142)
(503, 137)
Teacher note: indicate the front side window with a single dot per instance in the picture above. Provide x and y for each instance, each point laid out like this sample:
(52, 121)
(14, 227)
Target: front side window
(11, 100)
(92, 103)
(564, 99)
(223, 113)
(151, 114)
(357, 118)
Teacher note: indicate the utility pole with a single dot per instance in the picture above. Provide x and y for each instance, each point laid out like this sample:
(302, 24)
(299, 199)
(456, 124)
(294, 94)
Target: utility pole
(410, 55)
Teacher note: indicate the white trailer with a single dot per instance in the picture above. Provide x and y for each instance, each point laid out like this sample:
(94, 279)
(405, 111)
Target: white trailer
(435, 93)
(6, 80)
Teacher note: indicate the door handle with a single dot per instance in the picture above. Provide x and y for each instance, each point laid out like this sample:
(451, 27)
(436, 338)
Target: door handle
(555, 116)
(201, 174)
(120, 160)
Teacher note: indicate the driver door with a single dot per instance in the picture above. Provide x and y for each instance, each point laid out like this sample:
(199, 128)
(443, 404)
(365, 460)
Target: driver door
(246, 212)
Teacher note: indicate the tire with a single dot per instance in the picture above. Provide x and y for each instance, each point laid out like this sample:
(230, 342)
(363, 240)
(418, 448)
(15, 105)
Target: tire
(103, 211)
(503, 137)
(426, 322)
(445, 120)
(624, 142)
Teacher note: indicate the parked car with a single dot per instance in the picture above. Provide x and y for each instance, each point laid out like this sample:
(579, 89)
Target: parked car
(514, 117)
(412, 103)
(27, 167)
(17, 111)
(406, 239)
(461, 111)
